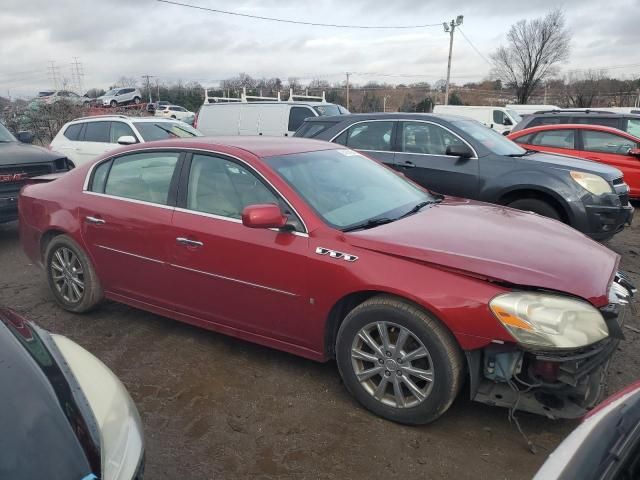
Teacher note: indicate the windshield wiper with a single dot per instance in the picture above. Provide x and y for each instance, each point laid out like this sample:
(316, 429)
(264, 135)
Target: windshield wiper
(419, 207)
(372, 222)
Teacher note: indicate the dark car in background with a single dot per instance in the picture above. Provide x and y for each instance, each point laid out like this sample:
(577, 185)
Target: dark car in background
(18, 162)
(627, 122)
(64, 414)
(456, 156)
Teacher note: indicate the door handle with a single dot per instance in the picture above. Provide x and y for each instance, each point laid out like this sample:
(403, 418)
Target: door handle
(408, 164)
(188, 243)
(95, 221)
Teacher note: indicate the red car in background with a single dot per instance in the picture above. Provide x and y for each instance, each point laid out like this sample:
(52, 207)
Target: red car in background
(315, 249)
(593, 142)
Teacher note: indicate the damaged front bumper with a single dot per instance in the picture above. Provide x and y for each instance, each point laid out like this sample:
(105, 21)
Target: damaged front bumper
(556, 384)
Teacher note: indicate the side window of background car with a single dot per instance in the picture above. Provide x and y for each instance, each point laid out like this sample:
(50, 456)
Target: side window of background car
(547, 120)
(73, 131)
(605, 122)
(555, 139)
(368, 136)
(427, 138)
(120, 129)
(97, 132)
(297, 116)
(140, 176)
(223, 187)
(632, 127)
(604, 142)
(524, 138)
(499, 117)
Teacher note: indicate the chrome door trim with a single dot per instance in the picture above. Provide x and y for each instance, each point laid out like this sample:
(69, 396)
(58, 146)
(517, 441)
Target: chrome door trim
(129, 254)
(131, 200)
(251, 168)
(243, 282)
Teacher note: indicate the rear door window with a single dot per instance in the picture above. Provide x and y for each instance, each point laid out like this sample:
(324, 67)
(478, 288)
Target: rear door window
(368, 136)
(297, 116)
(97, 132)
(73, 132)
(555, 139)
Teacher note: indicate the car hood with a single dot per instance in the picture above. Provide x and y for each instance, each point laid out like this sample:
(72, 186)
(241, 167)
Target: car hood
(12, 153)
(500, 244)
(574, 163)
(44, 426)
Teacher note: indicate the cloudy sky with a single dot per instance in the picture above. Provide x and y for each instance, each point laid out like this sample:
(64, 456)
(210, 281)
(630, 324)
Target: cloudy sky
(114, 38)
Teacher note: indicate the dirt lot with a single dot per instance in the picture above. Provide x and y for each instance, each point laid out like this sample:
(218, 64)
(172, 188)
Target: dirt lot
(215, 407)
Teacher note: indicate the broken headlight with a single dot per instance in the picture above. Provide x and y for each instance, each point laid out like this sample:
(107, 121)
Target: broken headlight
(549, 321)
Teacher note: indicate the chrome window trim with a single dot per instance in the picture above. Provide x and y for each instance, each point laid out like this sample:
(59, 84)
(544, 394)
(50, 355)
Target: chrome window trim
(130, 254)
(231, 279)
(475, 153)
(85, 187)
(132, 200)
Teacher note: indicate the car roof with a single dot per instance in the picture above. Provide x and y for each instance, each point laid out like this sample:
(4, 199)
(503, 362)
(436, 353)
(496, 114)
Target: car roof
(257, 145)
(586, 113)
(572, 126)
(97, 118)
(357, 117)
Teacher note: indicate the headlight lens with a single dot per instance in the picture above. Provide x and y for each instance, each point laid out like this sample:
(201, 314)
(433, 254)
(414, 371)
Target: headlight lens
(122, 443)
(591, 183)
(549, 321)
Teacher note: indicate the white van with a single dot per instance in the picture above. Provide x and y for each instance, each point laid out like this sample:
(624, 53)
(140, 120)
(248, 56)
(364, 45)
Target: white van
(268, 116)
(501, 119)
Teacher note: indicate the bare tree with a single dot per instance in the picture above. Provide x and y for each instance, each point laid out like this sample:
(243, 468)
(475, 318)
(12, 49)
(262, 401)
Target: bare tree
(533, 50)
(583, 87)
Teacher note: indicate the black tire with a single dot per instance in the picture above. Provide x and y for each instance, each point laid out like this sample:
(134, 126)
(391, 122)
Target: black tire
(92, 291)
(538, 206)
(136, 100)
(445, 359)
(173, 116)
(113, 104)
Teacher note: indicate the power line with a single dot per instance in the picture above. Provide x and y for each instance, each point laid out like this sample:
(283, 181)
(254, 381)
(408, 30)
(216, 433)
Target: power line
(474, 47)
(298, 22)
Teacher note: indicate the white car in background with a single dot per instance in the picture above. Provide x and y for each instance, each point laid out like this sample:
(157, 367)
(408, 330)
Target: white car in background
(52, 96)
(120, 96)
(174, 111)
(85, 139)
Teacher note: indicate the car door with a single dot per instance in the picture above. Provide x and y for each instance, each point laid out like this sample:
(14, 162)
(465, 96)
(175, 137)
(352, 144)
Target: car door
(126, 218)
(422, 157)
(253, 280)
(372, 137)
(614, 150)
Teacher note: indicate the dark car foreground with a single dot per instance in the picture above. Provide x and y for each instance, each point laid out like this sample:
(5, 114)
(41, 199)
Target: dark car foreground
(314, 249)
(19, 162)
(64, 415)
(457, 156)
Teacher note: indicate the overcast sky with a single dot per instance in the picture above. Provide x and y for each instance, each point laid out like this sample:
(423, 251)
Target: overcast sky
(114, 38)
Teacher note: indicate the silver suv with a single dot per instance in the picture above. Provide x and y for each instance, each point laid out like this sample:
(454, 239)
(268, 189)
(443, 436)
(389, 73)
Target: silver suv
(120, 96)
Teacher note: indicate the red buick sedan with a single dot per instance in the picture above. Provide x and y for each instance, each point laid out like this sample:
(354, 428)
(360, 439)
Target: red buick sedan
(593, 142)
(314, 249)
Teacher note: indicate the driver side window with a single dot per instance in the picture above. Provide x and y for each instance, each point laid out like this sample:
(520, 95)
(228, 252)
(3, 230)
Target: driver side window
(223, 187)
(604, 142)
(426, 138)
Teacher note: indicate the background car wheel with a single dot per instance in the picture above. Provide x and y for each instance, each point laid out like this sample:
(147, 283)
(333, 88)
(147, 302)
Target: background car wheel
(71, 276)
(173, 116)
(136, 100)
(398, 361)
(536, 206)
(113, 103)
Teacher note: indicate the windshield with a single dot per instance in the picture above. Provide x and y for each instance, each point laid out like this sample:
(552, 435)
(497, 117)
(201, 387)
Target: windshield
(151, 131)
(347, 189)
(633, 127)
(515, 116)
(5, 135)
(492, 140)
(327, 110)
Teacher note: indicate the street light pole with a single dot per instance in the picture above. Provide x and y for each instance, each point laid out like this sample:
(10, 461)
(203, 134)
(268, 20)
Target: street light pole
(450, 28)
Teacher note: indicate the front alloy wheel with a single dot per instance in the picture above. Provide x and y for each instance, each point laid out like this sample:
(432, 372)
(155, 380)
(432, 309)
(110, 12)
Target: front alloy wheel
(392, 364)
(399, 361)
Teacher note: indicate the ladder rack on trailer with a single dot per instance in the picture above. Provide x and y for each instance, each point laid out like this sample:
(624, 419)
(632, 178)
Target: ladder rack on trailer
(244, 98)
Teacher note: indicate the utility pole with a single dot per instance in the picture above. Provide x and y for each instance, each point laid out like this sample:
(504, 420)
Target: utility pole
(348, 90)
(147, 77)
(53, 74)
(450, 28)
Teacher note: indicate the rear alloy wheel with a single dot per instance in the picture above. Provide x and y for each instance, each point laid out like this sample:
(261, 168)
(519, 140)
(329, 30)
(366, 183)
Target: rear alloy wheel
(536, 206)
(398, 361)
(113, 104)
(71, 276)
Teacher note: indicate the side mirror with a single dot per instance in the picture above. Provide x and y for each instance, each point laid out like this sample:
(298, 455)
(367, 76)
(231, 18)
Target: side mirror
(25, 137)
(459, 150)
(127, 140)
(267, 215)
(635, 152)
(507, 121)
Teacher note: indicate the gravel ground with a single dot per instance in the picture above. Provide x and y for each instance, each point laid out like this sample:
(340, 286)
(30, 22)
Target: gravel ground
(218, 408)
